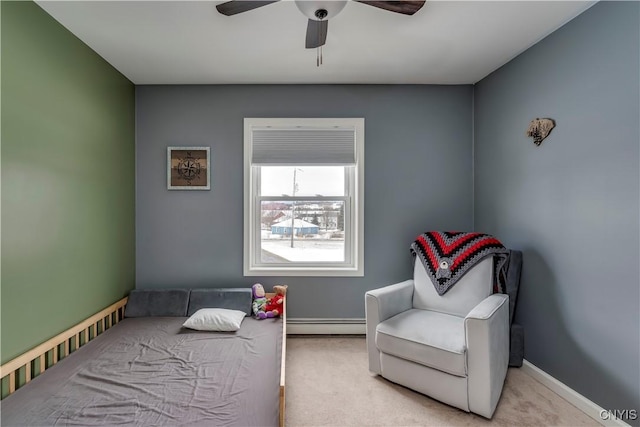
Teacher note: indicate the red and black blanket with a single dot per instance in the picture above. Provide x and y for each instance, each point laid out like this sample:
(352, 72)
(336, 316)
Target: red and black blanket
(448, 255)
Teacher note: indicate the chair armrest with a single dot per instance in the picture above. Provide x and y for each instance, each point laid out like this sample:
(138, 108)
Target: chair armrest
(487, 337)
(487, 307)
(383, 303)
(380, 305)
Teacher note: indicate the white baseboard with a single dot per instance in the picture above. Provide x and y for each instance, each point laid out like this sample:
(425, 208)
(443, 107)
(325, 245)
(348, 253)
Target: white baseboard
(308, 326)
(576, 399)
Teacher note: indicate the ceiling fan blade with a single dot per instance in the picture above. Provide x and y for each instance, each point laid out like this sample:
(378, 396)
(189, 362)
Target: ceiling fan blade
(238, 6)
(408, 7)
(316, 33)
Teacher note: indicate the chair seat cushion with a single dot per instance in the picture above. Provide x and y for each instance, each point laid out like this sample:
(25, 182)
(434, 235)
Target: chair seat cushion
(430, 338)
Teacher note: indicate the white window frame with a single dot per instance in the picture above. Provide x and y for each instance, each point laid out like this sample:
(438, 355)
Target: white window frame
(353, 216)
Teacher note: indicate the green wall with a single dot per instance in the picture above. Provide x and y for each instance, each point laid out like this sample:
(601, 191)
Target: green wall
(68, 180)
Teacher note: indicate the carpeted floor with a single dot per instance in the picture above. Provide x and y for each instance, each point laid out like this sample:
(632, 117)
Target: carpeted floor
(329, 384)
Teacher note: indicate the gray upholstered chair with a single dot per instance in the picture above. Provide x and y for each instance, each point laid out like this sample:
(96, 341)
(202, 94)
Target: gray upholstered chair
(454, 347)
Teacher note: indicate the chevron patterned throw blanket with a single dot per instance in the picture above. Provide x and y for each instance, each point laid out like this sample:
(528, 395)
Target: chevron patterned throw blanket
(447, 256)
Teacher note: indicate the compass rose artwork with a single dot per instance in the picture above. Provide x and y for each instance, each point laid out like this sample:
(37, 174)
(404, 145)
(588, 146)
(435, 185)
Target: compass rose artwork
(188, 168)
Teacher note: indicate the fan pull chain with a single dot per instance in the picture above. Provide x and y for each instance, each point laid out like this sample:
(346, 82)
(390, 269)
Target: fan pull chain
(320, 14)
(318, 48)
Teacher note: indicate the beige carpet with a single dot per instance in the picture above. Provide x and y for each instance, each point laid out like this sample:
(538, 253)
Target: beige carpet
(328, 384)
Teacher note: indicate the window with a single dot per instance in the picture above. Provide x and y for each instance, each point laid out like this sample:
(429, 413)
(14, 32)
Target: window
(303, 205)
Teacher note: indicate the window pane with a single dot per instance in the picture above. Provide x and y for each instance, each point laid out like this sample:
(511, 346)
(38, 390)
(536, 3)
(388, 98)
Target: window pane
(302, 181)
(318, 231)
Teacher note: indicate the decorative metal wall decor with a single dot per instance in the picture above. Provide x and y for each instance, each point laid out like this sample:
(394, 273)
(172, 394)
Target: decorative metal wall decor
(188, 168)
(539, 129)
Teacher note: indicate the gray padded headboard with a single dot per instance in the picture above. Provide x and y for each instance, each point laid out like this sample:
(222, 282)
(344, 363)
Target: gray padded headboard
(157, 302)
(230, 298)
(185, 302)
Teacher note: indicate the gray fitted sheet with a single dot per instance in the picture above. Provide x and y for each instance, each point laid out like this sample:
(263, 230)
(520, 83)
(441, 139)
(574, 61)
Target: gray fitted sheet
(150, 371)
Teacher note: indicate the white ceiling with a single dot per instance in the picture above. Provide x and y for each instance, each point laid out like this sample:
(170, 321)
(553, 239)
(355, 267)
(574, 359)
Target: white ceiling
(189, 42)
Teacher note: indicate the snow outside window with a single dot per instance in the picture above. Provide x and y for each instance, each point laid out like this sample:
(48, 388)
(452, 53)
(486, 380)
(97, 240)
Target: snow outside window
(303, 202)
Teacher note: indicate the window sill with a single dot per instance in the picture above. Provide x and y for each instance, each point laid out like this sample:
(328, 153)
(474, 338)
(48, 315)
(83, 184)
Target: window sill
(305, 272)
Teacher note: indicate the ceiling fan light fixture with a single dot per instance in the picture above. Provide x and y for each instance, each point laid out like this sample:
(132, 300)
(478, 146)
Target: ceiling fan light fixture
(321, 14)
(310, 7)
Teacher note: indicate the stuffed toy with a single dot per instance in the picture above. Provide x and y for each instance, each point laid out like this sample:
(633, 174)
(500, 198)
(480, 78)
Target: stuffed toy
(274, 304)
(280, 289)
(260, 302)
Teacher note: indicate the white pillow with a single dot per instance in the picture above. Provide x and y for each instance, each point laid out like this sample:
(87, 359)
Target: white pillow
(215, 319)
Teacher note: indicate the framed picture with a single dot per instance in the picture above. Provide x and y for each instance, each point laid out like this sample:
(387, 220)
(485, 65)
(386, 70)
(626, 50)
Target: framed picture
(188, 168)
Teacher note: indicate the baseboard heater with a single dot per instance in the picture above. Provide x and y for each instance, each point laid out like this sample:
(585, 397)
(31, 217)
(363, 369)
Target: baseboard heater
(312, 326)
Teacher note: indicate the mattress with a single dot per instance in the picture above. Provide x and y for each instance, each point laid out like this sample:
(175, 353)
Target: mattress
(150, 371)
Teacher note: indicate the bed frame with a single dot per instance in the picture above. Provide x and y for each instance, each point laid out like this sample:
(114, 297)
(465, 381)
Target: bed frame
(34, 362)
(18, 372)
(283, 355)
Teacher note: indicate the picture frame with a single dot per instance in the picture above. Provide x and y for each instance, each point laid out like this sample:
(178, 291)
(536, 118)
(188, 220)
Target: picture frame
(188, 168)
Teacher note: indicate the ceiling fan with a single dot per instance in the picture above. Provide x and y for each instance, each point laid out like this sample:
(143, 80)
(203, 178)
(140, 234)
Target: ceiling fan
(319, 13)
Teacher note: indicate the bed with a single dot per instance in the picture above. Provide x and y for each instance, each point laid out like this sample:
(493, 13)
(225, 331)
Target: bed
(144, 368)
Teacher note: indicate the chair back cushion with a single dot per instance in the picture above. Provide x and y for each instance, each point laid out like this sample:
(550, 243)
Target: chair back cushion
(473, 287)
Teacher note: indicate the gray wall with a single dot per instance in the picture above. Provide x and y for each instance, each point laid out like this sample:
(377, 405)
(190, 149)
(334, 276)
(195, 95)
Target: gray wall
(571, 204)
(417, 177)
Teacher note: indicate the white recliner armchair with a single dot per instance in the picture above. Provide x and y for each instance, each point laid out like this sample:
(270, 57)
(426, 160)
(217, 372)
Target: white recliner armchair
(454, 347)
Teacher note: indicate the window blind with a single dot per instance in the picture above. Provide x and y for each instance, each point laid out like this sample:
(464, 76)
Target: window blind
(303, 146)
